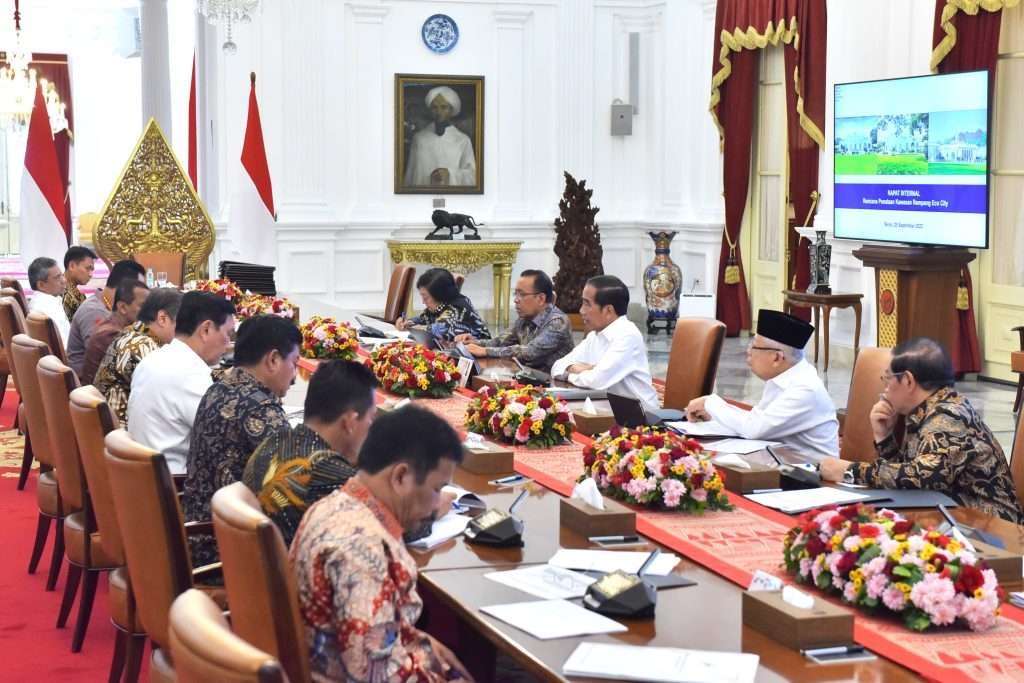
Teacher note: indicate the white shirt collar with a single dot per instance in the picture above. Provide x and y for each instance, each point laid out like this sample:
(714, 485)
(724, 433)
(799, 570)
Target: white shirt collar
(179, 347)
(793, 375)
(614, 328)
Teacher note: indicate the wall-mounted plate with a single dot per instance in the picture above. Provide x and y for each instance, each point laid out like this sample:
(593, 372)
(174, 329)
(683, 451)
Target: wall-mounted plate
(440, 33)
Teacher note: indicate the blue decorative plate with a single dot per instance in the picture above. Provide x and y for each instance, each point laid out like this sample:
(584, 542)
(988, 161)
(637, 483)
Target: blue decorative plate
(440, 33)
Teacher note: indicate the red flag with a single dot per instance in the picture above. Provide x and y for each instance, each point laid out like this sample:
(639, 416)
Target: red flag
(193, 153)
(254, 155)
(44, 228)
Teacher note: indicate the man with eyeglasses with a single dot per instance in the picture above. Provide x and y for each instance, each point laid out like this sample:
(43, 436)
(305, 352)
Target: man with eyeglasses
(540, 336)
(947, 447)
(795, 408)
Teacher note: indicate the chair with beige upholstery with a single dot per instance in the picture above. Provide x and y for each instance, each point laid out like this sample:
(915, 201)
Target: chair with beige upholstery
(153, 534)
(205, 649)
(856, 441)
(82, 543)
(92, 420)
(5, 362)
(693, 360)
(1017, 365)
(399, 293)
(39, 326)
(259, 580)
(12, 322)
(170, 262)
(26, 354)
(19, 292)
(1017, 458)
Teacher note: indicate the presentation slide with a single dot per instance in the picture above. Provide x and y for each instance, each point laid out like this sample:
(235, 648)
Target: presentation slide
(911, 160)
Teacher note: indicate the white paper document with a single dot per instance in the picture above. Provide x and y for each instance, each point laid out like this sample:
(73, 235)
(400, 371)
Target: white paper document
(740, 446)
(448, 527)
(660, 664)
(547, 619)
(802, 500)
(545, 581)
(707, 428)
(610, 560)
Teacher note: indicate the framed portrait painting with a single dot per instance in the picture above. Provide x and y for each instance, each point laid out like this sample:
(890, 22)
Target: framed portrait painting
(439, 134)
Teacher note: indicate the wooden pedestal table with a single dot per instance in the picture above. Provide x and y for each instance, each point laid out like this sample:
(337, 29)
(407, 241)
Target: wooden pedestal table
(466, 256)
(818, 302)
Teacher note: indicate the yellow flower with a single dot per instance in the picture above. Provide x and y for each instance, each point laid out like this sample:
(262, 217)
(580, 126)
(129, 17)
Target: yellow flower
(927, 551)
(929, 567)
(836, 541)
(678, 469)
(954, 547)
(638, 469)
(904, 587)
(560, 428)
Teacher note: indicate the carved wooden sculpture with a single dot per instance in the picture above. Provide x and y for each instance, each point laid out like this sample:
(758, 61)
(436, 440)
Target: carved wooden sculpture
(577, 244)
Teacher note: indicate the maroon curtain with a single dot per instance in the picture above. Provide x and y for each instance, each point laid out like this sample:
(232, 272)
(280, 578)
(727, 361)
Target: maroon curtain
(734, 78)
(976, 47)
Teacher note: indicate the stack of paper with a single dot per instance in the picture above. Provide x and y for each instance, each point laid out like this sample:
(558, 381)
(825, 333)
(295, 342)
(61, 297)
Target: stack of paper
(660, 664)
(547, 619)
(610, 560)
(740, 446)
(698, 429)
(444, 529)
(802, 500)
(545, 581)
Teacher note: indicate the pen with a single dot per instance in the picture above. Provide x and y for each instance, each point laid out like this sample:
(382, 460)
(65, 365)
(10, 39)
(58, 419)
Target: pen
(772, 453)
(509, 479)
(614, 539)
(647, 563)
(839, 650)
(766, 491)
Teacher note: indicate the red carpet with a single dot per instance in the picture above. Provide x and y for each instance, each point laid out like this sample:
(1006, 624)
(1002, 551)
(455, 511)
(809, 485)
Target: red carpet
(31, 648)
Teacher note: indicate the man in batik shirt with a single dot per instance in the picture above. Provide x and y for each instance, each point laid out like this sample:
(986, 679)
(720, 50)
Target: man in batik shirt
(153, 328)
(235, 415)
(947, 447)
(541, 335)
(79, 264)
(356, 580)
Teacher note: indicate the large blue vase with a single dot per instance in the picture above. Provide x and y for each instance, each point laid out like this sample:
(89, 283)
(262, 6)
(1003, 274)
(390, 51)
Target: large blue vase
(663, 283)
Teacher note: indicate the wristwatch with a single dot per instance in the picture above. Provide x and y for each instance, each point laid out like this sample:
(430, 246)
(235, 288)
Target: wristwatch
(848, 477)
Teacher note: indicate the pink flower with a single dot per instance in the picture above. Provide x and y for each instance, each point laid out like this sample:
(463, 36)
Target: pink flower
(699, 495)
(849, 592)
(639, 487)
(934, 595)
(538, 414)
(979, 614)
(894, 599)
(672, 491)
(876, 585)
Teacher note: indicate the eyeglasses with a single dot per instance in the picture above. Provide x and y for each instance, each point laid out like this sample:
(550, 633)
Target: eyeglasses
(519, 295)
(887, 376)
(752, 347)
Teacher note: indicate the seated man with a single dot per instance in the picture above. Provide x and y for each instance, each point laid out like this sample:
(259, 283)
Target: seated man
(541, 335)
(169, 383)
(946, 448)
(47, 283)
(795, 408)
(96, 309)
(235, 416)
(79, 264)
(153, 329)
(128, 299)
(612, 356)
(293, 469)
(356, 580)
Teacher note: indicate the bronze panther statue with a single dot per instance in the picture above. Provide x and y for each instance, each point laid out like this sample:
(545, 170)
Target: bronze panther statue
(455, 223)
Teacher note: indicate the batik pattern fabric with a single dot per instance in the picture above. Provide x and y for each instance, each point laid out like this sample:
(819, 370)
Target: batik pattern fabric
(453, 319)
(114, 375)
(946, 448)
(235, 416)
(535, 342)
(72, 299)
(357, 593)
(290, 471)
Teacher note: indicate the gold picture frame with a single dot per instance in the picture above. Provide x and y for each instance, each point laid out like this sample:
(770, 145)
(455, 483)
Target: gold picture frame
(449, 162)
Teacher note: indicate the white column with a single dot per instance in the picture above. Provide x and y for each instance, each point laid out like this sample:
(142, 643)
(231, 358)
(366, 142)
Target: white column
(512, 55)
(368, 140)
(156, 78)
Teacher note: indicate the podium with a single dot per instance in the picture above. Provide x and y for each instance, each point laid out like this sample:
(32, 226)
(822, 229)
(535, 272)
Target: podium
(915, 289)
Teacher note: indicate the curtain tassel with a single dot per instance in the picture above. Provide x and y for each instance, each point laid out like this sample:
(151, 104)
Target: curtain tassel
(732, 270)
(962, 302)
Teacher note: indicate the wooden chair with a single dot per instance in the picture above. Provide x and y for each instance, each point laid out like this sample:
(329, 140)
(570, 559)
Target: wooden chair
(39, 326)
(205, 649)
(5, 361)
(12, 322)
(170, 262)
(856, 441)
(693, 360)
(92, 420)
(1017, 365)
(26, 353)
(19, 292)
(399, 292)
(1017, 458)
(153, 534)
(259, 580)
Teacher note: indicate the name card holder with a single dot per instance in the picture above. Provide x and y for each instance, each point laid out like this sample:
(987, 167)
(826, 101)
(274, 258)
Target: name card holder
(822, 625)
(1006, 565)
(592, 424)
(741, 480)
(492, 458)
(615, 520)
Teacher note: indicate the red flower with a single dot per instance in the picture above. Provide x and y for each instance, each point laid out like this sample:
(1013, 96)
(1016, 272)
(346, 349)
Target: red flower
(562, 417)
(837, 521)
(589, 457)
(545, 403)
(903, 526)
(869, 531)
(970, 579)
(846, 562)
(697, 480)
(815, 546)
(439, 376)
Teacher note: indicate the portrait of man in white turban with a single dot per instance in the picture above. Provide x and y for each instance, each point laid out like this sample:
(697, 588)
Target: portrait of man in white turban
(440, 155)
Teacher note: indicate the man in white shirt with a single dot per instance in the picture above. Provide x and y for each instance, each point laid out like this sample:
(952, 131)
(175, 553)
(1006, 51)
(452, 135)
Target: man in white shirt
(795, 408)
(441, 154)
(612, 357)
(169, 383)
(47, 282)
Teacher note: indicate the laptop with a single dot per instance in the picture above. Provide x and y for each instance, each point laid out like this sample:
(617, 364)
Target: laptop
(630, 412)
(422, 336)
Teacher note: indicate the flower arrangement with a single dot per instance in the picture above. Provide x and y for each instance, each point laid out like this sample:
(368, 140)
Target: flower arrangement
(258, 304)
(222, 287)
(414, 370)
(327, 338)
(649, 466)
(520, 415)
(881, 561)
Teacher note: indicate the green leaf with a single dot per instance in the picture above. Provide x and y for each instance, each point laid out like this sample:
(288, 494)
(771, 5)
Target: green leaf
(871, 553)
(901, 570)
(916, 620)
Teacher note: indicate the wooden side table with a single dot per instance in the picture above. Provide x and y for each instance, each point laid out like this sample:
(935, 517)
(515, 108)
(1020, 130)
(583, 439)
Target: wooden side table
(817, 302)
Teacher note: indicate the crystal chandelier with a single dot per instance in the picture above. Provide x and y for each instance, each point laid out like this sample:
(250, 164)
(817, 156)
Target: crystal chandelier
(18, 88)
(228, 12)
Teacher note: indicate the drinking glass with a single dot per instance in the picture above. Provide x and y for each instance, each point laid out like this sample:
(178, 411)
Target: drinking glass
(161, 279)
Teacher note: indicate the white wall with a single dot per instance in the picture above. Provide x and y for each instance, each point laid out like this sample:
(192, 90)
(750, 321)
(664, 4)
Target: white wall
(325, 80)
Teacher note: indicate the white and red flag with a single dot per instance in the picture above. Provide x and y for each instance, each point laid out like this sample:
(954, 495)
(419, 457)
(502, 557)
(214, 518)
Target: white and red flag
(44, 229)
(252, 219)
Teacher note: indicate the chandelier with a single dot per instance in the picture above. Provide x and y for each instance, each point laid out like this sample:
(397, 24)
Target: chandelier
(18, 88)
(227, 12)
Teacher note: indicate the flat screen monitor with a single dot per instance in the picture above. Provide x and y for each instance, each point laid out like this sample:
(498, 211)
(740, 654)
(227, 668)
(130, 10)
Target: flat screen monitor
(911, 160)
